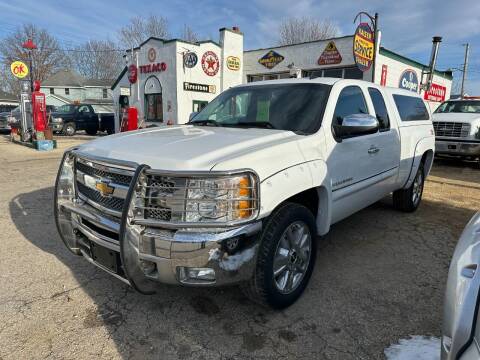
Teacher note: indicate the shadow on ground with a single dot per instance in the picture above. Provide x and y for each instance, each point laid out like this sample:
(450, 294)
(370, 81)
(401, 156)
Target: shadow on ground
(379, 277)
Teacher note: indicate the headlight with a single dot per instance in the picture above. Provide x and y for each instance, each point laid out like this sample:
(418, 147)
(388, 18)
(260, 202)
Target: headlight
(198, 198)
(57, 120)
(224, 199)
(66, 184)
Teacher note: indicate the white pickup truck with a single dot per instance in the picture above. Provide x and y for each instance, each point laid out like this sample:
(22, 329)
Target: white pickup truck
(457, 128)
(239, 194)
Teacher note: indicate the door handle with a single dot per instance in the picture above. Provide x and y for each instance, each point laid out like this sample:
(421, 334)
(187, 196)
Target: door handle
(373, 150)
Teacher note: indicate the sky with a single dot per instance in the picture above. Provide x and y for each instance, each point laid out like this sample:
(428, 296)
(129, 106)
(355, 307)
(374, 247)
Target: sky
(407, 26)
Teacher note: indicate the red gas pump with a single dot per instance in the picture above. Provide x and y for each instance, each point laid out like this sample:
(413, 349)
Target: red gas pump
(39, 111)
(129, 119)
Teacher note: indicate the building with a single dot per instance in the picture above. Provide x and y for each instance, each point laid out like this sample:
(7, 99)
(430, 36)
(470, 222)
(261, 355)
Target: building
(167, 80)
(334, 58)
(68, 87)
(7, 101)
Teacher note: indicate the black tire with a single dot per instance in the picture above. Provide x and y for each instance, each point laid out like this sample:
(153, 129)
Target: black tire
(69, 129)
(110, 131)
(91, 130)
(405, 199)
(263, 287)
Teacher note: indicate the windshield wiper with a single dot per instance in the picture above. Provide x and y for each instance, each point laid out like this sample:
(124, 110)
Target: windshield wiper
(204, 122)
(260, 124)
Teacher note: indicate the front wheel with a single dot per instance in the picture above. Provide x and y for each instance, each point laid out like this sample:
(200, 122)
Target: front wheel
(69, 129)
(408, 200)
(285, 259)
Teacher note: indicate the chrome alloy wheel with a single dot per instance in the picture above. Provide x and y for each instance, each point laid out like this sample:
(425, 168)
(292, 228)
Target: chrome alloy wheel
(417, 188)
(291, 259)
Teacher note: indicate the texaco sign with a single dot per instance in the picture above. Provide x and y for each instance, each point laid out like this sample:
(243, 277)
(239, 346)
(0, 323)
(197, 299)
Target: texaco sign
(210, 63)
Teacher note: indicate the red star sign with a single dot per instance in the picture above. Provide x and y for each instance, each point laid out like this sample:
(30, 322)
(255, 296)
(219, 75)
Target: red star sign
(210, 64)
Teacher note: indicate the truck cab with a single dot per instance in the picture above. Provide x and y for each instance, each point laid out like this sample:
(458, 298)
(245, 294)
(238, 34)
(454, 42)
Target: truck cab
(240, 194)
(457, 128)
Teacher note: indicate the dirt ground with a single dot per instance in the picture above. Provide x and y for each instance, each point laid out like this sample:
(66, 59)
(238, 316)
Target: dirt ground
(380, 277)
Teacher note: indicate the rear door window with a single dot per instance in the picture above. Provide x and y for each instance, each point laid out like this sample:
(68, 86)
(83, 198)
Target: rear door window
(411, 108)
(380, 109)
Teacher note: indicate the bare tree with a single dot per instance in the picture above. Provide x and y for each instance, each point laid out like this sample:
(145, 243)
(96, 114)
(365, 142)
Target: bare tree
(98, 59)
(189, 34)
(140, 29)
(298, 30)
(46, 59)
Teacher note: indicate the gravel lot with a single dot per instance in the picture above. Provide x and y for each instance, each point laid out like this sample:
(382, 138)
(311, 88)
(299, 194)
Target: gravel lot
(380, 277)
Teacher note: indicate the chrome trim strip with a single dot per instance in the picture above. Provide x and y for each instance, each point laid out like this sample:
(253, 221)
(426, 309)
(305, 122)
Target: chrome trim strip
(97, 206)
(108, 162)
(97, 238)
(185, 225)
(93, 216)
(197, 236)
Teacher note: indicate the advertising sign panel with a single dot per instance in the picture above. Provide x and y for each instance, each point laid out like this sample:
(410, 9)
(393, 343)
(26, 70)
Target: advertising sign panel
(330, 55)
(436, 93)
(271, 59)
(363, 46)
(409, 80)
(19, 69)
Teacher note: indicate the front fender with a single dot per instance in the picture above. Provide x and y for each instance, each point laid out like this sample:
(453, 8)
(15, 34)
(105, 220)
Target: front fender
(293, 180)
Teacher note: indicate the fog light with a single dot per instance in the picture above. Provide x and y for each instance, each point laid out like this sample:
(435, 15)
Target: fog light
(187, 274)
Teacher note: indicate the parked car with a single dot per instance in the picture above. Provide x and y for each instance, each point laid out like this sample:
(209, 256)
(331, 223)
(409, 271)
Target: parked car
(240, 193)
(4, 120)
(457, 128)
(461, 317)
(68, 119)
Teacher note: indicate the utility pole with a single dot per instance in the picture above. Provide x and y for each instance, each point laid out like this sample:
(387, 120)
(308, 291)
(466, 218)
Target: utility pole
(465, 66)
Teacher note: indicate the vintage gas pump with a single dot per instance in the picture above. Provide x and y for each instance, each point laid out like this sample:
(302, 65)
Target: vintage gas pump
(25, 111)
(39, 110)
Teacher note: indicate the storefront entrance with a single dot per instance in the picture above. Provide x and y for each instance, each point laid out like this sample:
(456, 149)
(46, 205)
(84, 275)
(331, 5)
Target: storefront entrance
(153, 100)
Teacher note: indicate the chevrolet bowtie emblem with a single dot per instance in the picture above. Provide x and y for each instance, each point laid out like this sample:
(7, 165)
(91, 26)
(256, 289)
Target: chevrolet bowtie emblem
(104, 188)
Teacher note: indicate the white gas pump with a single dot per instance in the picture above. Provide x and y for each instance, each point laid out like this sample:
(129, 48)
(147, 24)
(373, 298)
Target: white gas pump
(26, 124)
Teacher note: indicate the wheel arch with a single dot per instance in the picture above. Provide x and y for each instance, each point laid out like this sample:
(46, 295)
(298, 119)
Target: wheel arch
(292, 185)
(423, 153)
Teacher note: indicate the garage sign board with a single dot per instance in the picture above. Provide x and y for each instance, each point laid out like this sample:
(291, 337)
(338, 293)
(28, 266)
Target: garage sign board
(19, 69)
(330, 55)
(363, 46)
(271, 59)
(408, 80)
(436, 93)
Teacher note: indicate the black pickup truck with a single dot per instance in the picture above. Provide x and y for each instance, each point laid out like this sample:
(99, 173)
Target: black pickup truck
(68, 119)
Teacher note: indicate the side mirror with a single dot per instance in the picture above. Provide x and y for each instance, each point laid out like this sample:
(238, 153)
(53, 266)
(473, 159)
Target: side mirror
(192, 115)
(355, 125)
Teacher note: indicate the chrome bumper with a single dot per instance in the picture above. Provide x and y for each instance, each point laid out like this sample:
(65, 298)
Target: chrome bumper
(458, 148)
(164, 255)
(57, 126)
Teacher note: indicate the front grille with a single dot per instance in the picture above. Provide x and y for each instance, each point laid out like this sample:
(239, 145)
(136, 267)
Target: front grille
(161, 190)
(112, 203)
(107, 175)
(451, 129)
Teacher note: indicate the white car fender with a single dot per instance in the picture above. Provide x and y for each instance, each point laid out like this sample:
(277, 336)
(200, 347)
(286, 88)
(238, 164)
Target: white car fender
(291, 181)
(424, 145)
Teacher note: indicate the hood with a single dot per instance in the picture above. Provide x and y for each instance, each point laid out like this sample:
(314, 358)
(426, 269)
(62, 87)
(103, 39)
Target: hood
(456, 117)
(200, 148)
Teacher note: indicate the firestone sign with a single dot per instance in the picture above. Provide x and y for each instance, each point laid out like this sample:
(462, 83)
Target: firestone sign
(363, 46)
(409, 80)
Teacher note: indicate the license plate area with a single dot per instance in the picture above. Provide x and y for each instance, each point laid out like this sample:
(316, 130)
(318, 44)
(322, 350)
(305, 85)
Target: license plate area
(105, 257)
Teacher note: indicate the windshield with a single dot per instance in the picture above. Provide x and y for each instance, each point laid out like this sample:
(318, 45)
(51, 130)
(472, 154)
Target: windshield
(467, 106)
(293, 107)
(65, 109)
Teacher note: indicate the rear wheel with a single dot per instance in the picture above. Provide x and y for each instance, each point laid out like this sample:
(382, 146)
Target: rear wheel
(69, 129)
(409, 199)
(286, 257)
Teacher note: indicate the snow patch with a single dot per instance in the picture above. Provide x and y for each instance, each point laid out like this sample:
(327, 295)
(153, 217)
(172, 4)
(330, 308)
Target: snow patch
(415, 348)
